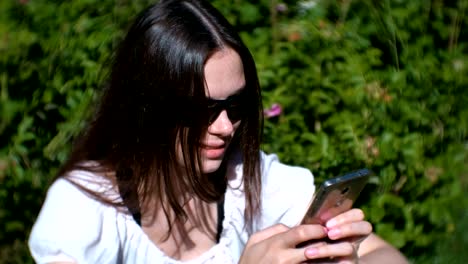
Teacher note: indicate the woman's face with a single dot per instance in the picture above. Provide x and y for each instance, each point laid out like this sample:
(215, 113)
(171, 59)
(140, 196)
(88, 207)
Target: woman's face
(224, 75)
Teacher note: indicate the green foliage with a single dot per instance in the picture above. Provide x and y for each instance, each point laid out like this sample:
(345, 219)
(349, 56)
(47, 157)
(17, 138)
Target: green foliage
(51, 58)
(377, 84)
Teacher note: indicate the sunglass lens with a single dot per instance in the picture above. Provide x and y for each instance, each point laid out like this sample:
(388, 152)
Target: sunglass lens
(235, 112)
(233, 106)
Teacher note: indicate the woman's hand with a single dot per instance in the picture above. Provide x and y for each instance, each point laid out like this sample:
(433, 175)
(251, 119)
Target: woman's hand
(277, 244)
(345, 233)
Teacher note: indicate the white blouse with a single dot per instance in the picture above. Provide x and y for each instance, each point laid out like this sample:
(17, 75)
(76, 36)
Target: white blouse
(74, 227)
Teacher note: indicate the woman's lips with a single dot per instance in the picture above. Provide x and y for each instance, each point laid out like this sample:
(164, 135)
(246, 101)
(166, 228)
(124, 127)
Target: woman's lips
(213, 151)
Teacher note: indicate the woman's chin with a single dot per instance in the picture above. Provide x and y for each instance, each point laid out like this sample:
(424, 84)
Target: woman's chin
(210, 166)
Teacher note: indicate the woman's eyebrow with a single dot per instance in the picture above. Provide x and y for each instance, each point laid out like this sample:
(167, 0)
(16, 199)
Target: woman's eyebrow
(237, 94)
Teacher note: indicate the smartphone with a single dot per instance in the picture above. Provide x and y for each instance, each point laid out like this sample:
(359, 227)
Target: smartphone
(336, 196)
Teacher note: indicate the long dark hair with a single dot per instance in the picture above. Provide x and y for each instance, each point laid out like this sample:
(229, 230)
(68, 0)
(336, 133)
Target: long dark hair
(150, 105)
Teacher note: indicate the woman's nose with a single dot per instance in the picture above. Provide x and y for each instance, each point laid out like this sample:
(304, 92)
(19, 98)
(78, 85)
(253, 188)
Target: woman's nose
(222, 125)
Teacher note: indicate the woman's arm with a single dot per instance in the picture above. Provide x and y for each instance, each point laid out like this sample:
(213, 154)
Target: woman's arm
(375, 250)
(350, 227)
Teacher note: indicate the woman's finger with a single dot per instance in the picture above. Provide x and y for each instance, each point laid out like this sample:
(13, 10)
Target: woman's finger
(303, 233)
(337, 250)
(353, 215)
(354, 230)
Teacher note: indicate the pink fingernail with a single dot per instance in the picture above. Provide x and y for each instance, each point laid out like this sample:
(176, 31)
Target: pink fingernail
(311, 252)
(334, 233)
(331, 223)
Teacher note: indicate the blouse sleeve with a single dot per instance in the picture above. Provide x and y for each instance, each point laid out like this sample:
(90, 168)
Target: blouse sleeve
(71, 227)
(287, 192)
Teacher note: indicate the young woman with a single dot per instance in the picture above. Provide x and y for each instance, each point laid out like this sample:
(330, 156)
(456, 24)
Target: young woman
(170, 171)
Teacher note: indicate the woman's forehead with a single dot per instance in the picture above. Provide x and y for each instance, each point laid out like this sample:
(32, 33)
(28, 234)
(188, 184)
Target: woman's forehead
(224, 74)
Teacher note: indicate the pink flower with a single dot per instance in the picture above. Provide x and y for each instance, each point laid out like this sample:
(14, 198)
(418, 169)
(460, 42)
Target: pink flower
(274, 110)
(281, 7)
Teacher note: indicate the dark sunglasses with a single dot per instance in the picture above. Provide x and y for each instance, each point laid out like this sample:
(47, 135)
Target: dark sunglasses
(234, 106)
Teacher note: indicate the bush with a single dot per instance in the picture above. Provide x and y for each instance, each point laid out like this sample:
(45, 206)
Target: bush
(378, 84)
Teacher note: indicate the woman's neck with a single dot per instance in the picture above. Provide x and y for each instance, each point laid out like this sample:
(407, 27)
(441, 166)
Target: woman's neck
(183, 239)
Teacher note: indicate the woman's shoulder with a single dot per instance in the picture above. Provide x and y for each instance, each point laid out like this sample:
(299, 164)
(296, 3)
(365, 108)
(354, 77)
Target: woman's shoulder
(274, 173)
(71, 221)
(277, 175)
(66, 206)
(286, 190)
(81, 187)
